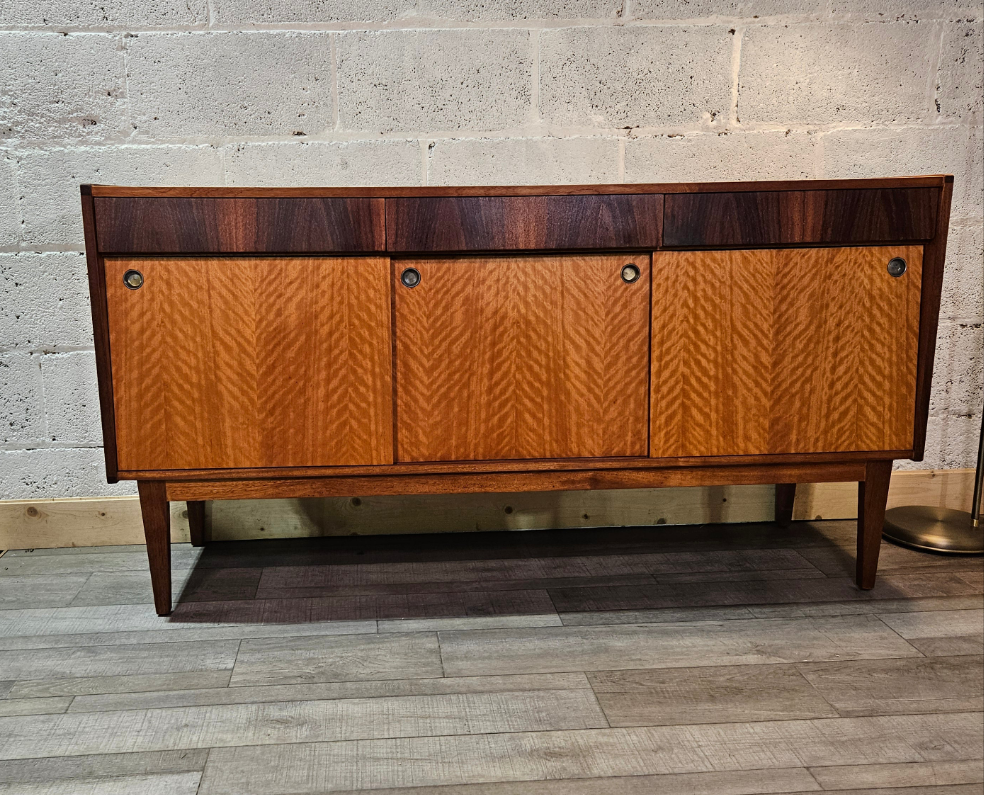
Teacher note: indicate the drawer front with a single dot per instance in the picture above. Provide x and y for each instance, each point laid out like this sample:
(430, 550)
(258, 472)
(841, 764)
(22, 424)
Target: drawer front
(522, 357)
(239, 362)
(772, 218)
(516, 223)
(238, 226)
(784, 351)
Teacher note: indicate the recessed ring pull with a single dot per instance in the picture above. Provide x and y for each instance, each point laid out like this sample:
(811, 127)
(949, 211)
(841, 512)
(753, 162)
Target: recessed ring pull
(410, 277)
(133, 280)
(630, 273)
(896, 266)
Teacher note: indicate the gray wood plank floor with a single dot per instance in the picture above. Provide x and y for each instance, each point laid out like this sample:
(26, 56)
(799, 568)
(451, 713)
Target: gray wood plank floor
(720, 660)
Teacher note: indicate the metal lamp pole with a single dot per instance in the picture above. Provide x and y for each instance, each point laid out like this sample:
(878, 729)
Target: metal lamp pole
(942, 529)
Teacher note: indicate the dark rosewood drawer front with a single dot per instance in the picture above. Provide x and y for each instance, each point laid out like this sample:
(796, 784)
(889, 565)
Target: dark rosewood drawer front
(517, 223)
(768, 218)
(191, 225)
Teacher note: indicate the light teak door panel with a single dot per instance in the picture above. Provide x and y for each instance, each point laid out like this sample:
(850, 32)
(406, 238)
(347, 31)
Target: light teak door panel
(522, 357)
(784, 351)
(251, 362)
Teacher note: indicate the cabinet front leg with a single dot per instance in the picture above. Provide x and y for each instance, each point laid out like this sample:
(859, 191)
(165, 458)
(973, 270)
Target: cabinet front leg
(198, 523)
(785, 494)
(157, 531)
(872, 498)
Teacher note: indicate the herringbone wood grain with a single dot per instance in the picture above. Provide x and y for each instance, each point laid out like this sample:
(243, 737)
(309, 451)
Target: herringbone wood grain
(783, 351)
(533, 357)
(249, 362)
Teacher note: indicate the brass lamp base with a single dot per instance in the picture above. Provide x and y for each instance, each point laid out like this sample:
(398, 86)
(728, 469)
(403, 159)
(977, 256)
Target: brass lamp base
(934, 530)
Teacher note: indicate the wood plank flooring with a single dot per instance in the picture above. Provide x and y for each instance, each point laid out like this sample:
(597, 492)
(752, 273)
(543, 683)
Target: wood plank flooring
(714, 660)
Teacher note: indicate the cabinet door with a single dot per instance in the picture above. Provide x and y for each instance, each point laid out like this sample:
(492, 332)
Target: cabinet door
(784, 351)
(522, 357)
(251, 362)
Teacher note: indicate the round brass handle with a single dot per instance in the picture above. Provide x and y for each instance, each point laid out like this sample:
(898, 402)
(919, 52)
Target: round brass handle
(630, 273)
(133, 280)
(896, 266)
(410, 277)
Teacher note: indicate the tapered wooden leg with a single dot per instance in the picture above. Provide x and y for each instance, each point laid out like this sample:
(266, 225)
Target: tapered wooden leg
(872, 498)
(157, 531)
(198, 523)
(785, 494)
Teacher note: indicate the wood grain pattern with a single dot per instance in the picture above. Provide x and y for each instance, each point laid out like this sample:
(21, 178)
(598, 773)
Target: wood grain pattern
(492, 223)
(788, 351)
(872, 498)
(526, 465)
(871, 215)
(922, 181)
(934, 255)
(100, 334)
(511, 358)
(239, 225)
(157, 531)
(513, 482)
(251, 362)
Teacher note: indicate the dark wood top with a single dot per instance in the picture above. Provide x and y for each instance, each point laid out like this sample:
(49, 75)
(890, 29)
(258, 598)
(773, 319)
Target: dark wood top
(925, 181)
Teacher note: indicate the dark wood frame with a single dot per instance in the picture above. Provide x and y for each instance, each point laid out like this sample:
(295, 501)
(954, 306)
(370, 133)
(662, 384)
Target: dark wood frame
(871, 470)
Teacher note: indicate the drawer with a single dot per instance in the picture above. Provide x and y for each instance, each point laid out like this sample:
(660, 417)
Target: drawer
(517, 223)
(190, 225)
(773, 218)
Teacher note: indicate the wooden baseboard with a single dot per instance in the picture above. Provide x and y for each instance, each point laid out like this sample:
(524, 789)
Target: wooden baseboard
(98, 521)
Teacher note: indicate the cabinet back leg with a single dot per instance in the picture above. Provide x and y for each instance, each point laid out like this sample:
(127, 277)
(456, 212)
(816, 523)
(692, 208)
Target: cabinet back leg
(872, 498)
(785, 494)
(157, 531)
(199, 523)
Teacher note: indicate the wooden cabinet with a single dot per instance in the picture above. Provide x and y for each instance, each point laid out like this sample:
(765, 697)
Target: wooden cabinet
(274, 344)
(248, 362)
(522, 357)
(809, 350)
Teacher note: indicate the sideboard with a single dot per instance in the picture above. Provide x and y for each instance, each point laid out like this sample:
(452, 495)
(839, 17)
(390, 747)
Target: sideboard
(312, 342)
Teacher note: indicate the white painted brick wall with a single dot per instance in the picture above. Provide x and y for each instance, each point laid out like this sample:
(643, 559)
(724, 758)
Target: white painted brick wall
(413, 92)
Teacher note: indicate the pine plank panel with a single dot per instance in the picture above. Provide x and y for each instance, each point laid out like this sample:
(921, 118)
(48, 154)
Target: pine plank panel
(739, 642)
(33, 706)
(783, 351)
(187, 585)
(114, 624)
(204, 379)
(329, 691)
(752, 782)
(132, 683)
(297, 722)
(164, 784)
(473, 622)
(899, 687)
(103, 766)
(954, 645)
(150, 658)
(40, 591)
(275, 661)
(878, 607)
(666, 616)
(726, 694)
(904, 774)
(328, 767)
(560, 346)
(938, 624)
(763, 592)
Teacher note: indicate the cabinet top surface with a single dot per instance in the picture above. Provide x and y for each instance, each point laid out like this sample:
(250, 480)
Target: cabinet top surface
(925, 181)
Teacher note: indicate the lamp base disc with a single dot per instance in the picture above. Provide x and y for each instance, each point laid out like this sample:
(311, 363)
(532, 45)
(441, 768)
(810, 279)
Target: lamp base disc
(934, 530)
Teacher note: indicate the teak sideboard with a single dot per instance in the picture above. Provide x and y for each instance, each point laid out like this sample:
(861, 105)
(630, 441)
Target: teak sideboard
(308, 342)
